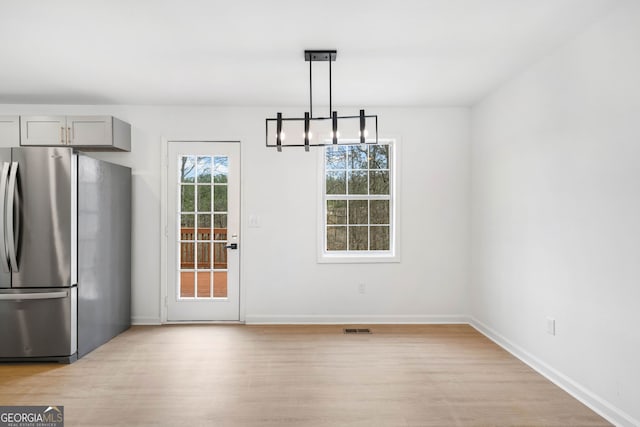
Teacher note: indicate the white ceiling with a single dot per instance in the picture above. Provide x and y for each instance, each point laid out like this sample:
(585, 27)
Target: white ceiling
(250, 52)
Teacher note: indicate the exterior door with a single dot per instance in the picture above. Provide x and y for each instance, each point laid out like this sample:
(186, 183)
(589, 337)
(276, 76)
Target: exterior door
(203, 231)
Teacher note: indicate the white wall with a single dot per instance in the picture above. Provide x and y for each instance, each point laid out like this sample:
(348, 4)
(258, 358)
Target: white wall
(281, 279)
(556, 213)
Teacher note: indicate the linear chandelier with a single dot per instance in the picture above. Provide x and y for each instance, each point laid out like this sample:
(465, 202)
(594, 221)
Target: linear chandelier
(320, 131)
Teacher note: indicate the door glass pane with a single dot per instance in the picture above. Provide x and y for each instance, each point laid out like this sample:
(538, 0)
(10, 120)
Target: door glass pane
(220, 220)
(219, 256)
(220, 284)
(187, 231)
(204, 255)
(220, 227)
(204, 169)
(187, 198)
(187, 165)
(220, 234)
(220, 198)
(186, 221)
(187, 254)
(204, 284)
(221, 165)
(187, 284)
(204, 227)
(204, 198)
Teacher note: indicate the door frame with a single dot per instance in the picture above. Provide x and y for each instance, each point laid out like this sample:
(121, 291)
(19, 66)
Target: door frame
(164, 229)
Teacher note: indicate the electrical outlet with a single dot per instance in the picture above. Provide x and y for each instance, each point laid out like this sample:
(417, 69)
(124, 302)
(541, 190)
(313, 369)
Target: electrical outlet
(551, 326)
(362, 288)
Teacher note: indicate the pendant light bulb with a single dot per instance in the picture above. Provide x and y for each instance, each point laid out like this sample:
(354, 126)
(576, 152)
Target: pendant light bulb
(279, 133)
(307, 132)
(362, 133)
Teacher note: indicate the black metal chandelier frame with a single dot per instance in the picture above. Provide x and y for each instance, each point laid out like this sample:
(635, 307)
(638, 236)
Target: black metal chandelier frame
(312, 56)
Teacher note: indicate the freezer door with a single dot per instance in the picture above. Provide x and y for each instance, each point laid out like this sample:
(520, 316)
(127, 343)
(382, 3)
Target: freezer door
(41, 217)
(38, 323)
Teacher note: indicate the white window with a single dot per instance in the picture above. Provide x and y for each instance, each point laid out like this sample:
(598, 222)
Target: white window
(358, 203)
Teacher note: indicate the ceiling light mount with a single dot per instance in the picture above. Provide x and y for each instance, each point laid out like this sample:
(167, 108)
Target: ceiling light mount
(320, 55)
(354, 129)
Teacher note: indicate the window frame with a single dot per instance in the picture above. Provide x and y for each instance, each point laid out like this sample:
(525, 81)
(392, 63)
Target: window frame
(368, 256)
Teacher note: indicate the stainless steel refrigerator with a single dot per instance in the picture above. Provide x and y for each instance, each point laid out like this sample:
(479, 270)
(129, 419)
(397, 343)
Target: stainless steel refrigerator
(65, 253)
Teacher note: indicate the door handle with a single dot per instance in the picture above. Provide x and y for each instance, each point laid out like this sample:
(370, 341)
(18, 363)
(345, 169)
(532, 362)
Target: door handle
(34, 295)
(4, 255)
(232, 246)
(12, 227)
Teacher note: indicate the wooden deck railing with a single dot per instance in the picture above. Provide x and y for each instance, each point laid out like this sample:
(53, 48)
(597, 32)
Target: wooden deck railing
(203, 237)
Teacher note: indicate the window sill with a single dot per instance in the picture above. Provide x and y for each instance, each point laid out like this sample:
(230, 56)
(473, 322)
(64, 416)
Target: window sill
(357, 259)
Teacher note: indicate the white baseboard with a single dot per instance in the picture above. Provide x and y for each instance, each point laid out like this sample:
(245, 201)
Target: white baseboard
(136, 321)
(597, 404)
(343, 319)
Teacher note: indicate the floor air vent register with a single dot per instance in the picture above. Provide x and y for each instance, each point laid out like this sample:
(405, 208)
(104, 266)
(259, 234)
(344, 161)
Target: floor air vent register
(357, 331)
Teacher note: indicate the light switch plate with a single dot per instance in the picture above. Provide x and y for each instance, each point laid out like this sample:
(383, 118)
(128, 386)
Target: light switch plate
(254, 221)
(551, 326)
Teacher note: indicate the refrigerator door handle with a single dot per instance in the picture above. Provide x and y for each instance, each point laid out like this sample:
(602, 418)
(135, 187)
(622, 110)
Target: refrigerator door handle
(9, 208)
(4, 256)
(34, 295)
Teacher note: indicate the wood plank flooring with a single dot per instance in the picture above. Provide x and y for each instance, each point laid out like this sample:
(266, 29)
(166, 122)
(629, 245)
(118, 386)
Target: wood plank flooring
(235, 375)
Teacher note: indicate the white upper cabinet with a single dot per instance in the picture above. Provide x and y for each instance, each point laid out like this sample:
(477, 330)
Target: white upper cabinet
(89, 130)
(43, 130)
(9, 131)
(90, 133)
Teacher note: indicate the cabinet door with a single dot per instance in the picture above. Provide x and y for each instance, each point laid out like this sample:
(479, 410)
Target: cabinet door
(43, 130)
(9, 131)
(89, 130)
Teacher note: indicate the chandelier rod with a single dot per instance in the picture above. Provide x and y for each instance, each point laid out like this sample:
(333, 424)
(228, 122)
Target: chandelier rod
(310, 88)
(330, 104)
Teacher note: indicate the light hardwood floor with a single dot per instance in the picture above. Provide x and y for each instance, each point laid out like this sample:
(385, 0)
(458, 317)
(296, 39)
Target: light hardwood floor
(219, 375)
